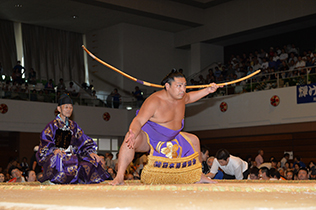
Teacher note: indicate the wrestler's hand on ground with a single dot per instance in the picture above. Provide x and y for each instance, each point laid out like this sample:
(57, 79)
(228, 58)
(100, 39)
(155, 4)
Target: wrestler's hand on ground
(205, 180)
(130, 139)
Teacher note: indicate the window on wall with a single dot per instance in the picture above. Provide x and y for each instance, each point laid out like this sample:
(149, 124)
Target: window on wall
(107, 144)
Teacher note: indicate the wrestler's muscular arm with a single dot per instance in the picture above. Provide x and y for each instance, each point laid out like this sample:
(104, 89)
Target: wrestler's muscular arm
(194, 96)
(146, 112)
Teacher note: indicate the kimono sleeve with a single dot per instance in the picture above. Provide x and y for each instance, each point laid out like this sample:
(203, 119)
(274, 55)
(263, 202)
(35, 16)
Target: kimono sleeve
(86, 145)
(47, 144)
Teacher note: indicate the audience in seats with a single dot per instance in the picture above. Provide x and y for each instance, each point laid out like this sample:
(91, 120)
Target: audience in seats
(24, 165)
(281, 67)
(302, 174)
(2, 178)
(274, 61)
(282, 173)
(112, 172)
(205, 156)
(274, 163)
(61, 87)
(297, 160)
(312, 172)
(16, 174)
(214, 167)
(233, 167)
(254, 173)
(116, 97)
(30, 176)
(264, 173)
(18, 71)
(109, 161)
(32, 77)
(286, 63)
(289, 175)
(259, 158)
(285, 159)
(274, 174)
(36, 91)
(218, 175)
(49, 86)
(72, 90)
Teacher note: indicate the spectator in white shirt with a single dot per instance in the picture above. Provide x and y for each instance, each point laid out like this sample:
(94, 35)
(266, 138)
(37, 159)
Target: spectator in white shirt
(284, 56)
(233, 167)
(285, 158)
(72, 90)
(109, 161)
(300, 63)
(265, 64)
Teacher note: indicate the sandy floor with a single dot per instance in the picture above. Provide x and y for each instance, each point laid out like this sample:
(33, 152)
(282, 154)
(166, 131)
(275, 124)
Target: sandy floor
(224, 195)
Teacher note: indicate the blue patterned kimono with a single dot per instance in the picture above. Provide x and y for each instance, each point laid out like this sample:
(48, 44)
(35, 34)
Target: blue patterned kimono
(76, 165)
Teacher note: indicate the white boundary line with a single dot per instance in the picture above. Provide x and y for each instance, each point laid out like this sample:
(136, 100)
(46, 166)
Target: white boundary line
(28, 206)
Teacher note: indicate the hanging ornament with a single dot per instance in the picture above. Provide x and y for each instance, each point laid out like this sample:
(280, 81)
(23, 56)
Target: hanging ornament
(275, 100)
(106, 116)
(4, 108)
(223, 106)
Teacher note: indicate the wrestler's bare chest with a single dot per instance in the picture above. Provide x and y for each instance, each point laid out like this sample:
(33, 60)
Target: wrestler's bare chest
(170, 115)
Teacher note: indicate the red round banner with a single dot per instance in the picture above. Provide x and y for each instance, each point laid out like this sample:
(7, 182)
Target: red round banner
(275, 100)
(223, 106)
(4, 108)
(106, 116)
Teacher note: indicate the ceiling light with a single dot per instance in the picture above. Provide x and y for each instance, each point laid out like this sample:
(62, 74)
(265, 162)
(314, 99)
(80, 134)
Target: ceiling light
(18, 5)
(74, 16)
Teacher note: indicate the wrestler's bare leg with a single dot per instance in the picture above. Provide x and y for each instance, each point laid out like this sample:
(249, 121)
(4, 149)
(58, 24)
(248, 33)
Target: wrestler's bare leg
(126, 156)
(196, 143)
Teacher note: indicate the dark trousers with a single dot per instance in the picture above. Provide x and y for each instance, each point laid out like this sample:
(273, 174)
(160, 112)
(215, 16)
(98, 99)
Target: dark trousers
(116, 104)
(245, 175)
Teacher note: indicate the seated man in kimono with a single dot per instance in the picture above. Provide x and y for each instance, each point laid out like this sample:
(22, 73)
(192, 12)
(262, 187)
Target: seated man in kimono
(174, 156)
(67, 155)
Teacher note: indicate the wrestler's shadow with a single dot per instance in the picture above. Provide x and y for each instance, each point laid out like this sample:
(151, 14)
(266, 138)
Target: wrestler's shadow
(203, 104)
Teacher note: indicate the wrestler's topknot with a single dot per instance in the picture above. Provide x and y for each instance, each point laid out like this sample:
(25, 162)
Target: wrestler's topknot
(170, 77)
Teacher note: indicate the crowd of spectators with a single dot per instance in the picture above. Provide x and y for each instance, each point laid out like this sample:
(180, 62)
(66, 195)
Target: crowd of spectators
(284, 169)
(258, 169)
(24, 171)
(134, 169)
(288, 63)
(18, 86)
(29, 92)
(29, 172)
(21, 86)
(273, 169)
